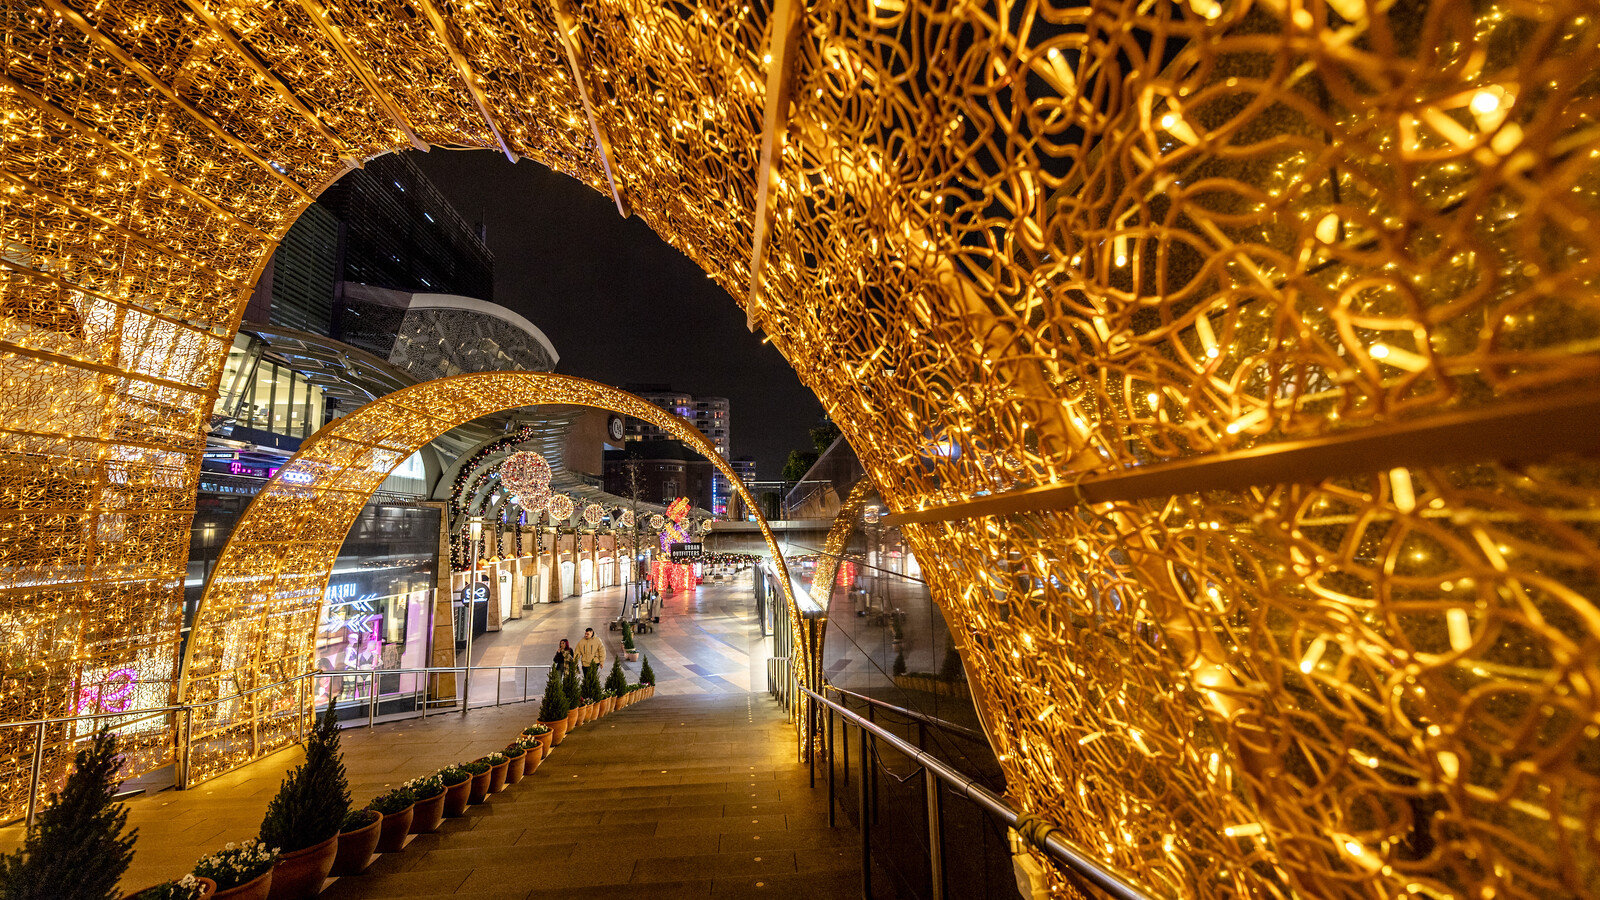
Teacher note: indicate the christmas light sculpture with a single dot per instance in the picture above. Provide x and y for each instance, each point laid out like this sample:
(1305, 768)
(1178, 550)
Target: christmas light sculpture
(527, 475)
(560, 507)
(593, 514)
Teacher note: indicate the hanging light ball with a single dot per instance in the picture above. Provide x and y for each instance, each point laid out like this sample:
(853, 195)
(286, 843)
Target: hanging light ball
(560, 508)
(527, 475)
(592, 514)
(625, 518)
(657, 522)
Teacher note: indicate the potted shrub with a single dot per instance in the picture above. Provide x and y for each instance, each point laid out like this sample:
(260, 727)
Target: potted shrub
(242, 871)
(457, 790)
(303, 820)
(396, 807)
(569, 684)
(647, 680)
(479, 770)
(553, 711)
(534, 753)
(75, 849)
(186, 888)
(628, 649)
(358, 842)
(630, 694)
(617, 684)
(499, 764)
(428, 791)
(518, 756)
(590, 690)
(541, 733)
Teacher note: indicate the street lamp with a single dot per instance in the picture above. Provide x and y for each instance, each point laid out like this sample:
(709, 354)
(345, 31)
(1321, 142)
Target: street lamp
(474, 531)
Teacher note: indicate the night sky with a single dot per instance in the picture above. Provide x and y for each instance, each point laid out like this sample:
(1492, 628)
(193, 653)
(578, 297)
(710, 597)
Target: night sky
(619, 304)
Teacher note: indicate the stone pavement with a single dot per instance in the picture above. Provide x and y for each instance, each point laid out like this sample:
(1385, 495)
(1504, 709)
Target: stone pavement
(707, 641)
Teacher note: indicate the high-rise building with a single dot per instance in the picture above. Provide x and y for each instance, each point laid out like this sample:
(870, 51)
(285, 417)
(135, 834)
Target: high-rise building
(745, 466)
(381, 227)
(709, 416)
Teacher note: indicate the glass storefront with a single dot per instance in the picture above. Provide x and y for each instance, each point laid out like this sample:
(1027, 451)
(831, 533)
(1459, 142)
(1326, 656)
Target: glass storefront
(267, 395)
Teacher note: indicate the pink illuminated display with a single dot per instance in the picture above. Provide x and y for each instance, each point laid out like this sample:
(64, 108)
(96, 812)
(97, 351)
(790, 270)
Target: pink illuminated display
(109, 696)
(677, 576)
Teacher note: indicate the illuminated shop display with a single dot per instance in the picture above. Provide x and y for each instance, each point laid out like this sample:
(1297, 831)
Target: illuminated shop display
(1272, 294)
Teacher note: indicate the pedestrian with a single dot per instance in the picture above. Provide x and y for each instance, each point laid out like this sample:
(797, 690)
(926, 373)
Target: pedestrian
(591, 652)
(563, 657)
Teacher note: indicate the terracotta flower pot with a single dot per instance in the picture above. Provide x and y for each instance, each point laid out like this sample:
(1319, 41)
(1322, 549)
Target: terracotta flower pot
(356, 849)
(531, 760)
(208, 889)
(250, 890)
(551, 738)
(299, 875)
(456, 797)
(497, 777)
(395, 828)
(480, 787)
(608, 706)
(515, 767)
(572, 722)
(427, 814)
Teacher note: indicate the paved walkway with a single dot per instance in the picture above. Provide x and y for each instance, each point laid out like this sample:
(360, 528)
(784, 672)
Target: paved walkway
(707, 645)
(707, 641)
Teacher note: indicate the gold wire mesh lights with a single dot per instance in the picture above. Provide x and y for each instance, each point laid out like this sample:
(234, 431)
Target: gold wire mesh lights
(1008, 246)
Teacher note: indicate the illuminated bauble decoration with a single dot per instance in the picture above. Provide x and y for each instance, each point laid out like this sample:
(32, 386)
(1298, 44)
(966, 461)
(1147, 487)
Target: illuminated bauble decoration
(592, 514)
(625, 518)
(657, 522)
(527, 475)
(560, 508)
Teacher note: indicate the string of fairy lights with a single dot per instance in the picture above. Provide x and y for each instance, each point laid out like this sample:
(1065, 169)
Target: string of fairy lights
(1111, 237)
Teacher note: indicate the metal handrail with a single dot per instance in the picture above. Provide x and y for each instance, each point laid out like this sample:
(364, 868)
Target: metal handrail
(180, 752)
(970, 734)
(1102, 876)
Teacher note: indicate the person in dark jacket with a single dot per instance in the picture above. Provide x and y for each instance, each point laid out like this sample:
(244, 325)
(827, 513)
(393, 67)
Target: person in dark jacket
(563, 657)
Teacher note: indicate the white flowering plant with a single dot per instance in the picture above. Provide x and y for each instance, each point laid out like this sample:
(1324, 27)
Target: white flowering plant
(237, 863)
(186, 888)
(425, 787)
(495, 758)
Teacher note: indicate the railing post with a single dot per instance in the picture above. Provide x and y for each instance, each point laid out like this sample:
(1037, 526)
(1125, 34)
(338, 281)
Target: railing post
(830, 767)
(935, 834)
(497, 680)
(866, 828)
(188, 748)
(526, 672)
(300, 713)
(38, 766)
(372, 697)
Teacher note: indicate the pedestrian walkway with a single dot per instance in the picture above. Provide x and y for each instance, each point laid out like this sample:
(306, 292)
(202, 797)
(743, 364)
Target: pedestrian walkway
(676, 797)
(707, 641)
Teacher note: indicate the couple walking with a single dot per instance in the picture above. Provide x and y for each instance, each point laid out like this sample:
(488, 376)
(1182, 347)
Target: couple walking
(589, 652)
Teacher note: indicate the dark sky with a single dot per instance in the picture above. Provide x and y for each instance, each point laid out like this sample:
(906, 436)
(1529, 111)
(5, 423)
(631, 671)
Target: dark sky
(619, 304)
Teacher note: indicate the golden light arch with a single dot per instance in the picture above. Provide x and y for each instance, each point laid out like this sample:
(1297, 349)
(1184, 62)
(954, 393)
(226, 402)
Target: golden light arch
(1185, 338)
(256, 624)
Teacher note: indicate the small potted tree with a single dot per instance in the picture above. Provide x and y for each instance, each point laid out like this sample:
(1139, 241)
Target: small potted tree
(75, 849)
(499, 765)
(457, 790)
(569, 685)
(553, 710)
(241, 871)
(647, 680)
(428, 813)
(358, 842)
(628, 649)
(617, 684)
(479, 770)
(303, 820)
(397, 807)
(590, 689)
